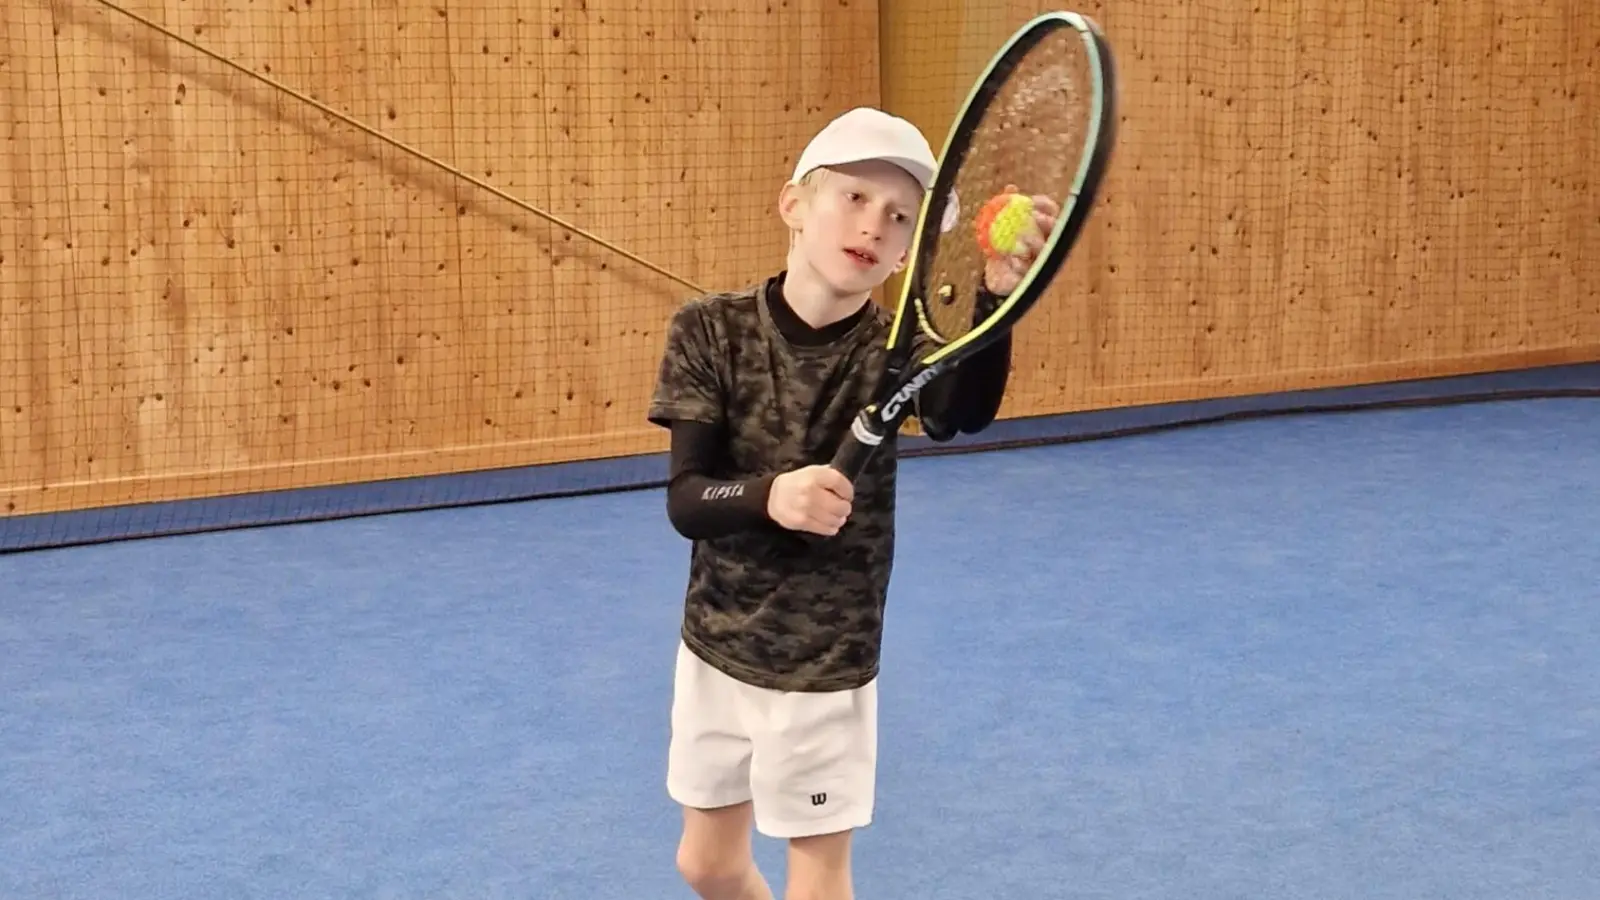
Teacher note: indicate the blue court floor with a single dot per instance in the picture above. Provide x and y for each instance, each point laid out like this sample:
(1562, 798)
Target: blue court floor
(1305, 658)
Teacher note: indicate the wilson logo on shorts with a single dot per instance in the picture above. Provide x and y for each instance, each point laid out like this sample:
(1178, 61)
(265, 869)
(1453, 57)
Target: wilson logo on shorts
(818, 799)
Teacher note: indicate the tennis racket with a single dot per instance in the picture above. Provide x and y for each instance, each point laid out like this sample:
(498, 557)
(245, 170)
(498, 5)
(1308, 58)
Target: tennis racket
(1040, 120)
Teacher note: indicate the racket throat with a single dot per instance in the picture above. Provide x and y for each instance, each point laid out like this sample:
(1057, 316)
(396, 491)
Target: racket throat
(878, 421)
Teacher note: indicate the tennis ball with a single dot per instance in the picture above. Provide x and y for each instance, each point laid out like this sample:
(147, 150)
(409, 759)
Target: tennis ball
(1004, 222)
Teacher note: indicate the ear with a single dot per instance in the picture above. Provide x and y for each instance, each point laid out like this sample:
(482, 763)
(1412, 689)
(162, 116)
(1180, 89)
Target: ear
(900, 264)
(791, 206)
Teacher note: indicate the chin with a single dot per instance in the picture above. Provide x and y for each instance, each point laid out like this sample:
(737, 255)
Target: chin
(850, 282)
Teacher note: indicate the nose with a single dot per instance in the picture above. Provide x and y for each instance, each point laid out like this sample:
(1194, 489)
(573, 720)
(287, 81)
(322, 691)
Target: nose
(872, 224)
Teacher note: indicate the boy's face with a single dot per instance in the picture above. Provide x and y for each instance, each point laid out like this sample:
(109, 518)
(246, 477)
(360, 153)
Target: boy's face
(854, 223)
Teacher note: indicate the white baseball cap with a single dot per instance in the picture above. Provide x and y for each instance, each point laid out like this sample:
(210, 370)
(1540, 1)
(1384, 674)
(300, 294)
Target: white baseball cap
(865, 133)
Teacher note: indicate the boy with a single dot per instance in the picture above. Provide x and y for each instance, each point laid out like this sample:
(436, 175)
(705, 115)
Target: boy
(774, 714)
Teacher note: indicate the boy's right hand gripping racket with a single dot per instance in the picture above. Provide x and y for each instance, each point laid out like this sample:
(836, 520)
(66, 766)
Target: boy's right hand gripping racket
(1041, 118)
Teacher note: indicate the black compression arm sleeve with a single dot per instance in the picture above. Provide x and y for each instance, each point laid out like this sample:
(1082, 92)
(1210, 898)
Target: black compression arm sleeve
(700, 506)
(983, 386)
(968, 399)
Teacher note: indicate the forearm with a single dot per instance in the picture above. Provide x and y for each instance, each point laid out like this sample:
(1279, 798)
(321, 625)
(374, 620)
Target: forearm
(701, 507)
(699, 504)
(983, 386)
(969, 398)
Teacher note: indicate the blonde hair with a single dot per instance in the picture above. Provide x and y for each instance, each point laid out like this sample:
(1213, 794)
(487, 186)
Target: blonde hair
(811, 179)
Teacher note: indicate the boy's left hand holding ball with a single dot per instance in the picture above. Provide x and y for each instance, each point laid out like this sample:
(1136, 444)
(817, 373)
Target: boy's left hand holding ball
(1011, 230)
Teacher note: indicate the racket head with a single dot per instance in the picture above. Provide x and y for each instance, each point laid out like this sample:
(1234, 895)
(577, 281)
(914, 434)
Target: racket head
(1041, 118)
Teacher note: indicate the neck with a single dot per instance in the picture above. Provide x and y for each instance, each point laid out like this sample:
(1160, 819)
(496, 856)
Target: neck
(814, 301)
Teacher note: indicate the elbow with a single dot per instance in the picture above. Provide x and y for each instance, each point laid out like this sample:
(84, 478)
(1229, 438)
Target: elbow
(677, 523)
(981, 415)
(938, 430)
(680, 513)
(688, 529)
(987, 398)
(682, 518)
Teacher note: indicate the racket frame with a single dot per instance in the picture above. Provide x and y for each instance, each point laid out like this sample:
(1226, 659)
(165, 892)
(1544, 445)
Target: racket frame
(904, 379)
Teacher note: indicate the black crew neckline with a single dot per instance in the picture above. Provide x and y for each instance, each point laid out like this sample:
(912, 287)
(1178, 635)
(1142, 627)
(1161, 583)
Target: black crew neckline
(796, 330)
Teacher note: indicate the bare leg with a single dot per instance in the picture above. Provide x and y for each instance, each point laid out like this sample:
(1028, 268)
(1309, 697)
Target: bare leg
(714, 855)
(819, 868)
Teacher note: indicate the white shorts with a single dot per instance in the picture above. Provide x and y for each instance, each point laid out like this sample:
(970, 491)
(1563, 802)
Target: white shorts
(807, 761)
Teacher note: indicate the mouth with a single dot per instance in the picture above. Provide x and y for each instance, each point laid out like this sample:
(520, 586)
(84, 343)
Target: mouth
(862, 257)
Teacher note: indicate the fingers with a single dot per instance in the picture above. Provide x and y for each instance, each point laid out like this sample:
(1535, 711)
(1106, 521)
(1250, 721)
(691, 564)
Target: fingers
(831, 509)
(1001, 276)
(830, 504)
(818, 500)
(1045, 213)
(833, 481)
(825, 514)
(1042, 203)
(827, 526)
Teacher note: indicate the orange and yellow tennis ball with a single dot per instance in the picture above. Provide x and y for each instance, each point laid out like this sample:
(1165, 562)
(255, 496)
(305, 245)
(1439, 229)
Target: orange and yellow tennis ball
(1004, 223)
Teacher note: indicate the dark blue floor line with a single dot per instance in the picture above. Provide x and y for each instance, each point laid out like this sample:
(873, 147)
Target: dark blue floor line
(33, 532)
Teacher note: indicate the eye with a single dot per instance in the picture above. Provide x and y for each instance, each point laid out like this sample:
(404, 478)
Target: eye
(855, 196)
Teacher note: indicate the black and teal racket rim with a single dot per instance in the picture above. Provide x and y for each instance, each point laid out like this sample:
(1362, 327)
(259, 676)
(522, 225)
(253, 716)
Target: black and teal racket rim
(1079, 143)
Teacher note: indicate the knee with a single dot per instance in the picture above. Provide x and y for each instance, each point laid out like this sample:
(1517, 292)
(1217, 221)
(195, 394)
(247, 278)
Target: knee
(713, 873)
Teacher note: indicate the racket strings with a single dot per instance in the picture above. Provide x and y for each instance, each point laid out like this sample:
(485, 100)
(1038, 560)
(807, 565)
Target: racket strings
(1031, 138)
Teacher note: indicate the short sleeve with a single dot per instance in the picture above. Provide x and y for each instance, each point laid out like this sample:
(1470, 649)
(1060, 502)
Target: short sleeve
(689, 385)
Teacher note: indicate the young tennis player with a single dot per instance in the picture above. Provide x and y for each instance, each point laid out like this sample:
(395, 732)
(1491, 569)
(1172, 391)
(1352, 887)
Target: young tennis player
(774, 712)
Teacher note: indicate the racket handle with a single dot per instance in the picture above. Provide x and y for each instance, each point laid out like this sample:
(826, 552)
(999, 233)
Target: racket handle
(860, 444)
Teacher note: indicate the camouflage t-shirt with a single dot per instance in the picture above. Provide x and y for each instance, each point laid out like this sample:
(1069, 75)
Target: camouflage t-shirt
(765, 606)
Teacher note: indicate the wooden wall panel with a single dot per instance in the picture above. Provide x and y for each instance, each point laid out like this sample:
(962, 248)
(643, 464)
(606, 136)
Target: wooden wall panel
(1306, 194)
(210, 286)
